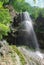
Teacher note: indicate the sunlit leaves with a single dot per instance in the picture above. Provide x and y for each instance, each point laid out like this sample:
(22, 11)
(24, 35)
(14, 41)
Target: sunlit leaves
(5, 20)
(3, 30)
(1, 3)
(4, 16)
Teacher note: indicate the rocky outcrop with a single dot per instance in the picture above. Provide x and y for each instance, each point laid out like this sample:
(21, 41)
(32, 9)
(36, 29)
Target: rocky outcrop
(12, 55)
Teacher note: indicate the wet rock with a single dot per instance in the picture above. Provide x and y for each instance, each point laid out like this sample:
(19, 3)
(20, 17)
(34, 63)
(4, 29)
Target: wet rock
(4, 49)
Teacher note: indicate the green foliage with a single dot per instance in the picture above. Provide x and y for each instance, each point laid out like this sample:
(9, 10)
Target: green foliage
(20, 1)
(4, 1)
(42, 12)
(35, 12)
(1, 3)
(17, 4)
(21, 6)
(3, 30)
(21, 56)
(4, 16)
(5, 20)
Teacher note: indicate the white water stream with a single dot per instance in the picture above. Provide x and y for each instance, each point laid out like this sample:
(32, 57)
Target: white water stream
(30, 30)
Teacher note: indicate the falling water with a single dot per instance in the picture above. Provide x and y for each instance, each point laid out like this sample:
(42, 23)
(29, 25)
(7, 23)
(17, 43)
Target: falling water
(30, 31)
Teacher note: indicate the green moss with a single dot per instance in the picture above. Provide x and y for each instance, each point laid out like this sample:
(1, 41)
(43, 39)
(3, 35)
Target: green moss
(22, 59)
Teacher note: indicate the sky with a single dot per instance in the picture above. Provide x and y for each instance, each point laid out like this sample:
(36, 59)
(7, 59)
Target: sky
(39, 3)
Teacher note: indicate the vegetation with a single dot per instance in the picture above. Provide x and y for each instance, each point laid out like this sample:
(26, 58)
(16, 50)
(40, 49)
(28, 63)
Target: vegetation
(22, 58)
(4, 1)
(21, 6)
(5, 20)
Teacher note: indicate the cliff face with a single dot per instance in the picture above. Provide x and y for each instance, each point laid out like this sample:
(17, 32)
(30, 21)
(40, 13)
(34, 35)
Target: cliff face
(40, 30)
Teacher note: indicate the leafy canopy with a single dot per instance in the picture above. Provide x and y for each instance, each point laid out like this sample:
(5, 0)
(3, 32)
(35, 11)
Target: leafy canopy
(21, 6)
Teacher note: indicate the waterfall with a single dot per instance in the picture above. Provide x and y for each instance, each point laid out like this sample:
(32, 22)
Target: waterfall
(29, 28)
(27, 22)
